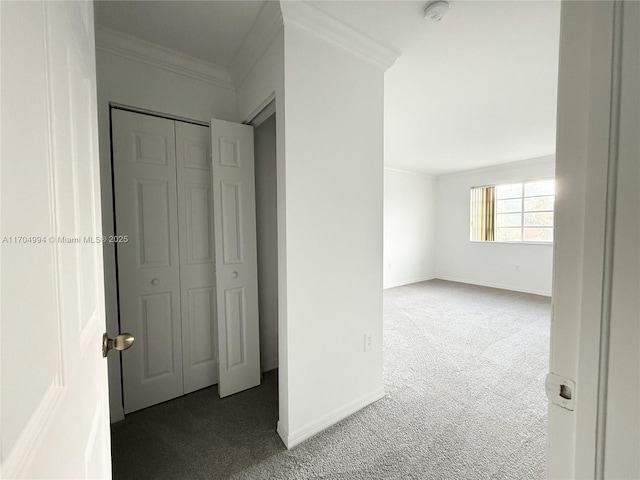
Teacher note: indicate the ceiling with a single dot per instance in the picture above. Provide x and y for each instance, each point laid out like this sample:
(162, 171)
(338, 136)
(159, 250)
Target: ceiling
(211, 31)
(475, 89)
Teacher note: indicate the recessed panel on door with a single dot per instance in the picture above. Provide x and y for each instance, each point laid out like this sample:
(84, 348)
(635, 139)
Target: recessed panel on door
(157, 340)
(235, 321)
(154, 235)
(150, 148)
(199, 220)
(196, 152)
(229, 152)
(231, 222)
(201, 304)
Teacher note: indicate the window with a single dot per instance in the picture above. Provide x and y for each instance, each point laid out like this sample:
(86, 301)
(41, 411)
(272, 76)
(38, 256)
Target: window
(515, 212)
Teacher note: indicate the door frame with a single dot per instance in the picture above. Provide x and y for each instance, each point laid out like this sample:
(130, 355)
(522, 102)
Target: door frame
(116, 393)
(144, 111)
(587, 142)
(255, 120)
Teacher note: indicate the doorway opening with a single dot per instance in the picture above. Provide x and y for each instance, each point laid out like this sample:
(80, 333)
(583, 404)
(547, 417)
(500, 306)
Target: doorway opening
(469, 221)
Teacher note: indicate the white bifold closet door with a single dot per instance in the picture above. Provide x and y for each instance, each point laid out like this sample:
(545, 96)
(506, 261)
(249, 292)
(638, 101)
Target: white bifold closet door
(236, 256)
(166, 271)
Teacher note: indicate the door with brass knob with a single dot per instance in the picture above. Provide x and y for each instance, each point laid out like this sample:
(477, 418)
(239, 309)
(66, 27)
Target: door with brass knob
(121, 342)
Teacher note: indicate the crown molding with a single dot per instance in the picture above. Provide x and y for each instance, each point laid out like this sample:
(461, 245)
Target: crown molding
(133, 48)
(523, 163)
(328, 29)
(409, 172)
(266, 27)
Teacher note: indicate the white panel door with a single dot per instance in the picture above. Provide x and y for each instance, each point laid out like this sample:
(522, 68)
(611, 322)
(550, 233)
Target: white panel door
(197, 276)
(236, 258)
(54, 398)
(144, 165)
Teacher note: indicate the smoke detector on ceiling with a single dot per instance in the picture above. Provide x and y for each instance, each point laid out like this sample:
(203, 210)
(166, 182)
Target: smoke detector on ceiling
(436, 11)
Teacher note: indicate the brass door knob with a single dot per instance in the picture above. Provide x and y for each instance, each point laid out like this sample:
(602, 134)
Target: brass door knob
(121, 342)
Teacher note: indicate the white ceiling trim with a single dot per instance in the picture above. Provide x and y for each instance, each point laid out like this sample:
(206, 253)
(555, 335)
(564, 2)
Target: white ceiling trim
(544, 159)
(409, 172)
(328, 29)
(133, 48)
(262, 33)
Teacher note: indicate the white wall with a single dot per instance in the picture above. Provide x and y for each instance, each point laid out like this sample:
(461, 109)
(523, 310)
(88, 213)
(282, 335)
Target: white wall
(264, 141)
(137, 84)
(334, 205)
(492, 264)
(409, 227)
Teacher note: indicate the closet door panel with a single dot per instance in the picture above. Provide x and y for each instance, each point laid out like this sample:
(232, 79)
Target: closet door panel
(197, 268)
(144, 166)
(236, 256)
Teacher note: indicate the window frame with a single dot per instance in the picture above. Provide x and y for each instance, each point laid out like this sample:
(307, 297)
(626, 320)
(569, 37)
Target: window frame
(522, 212)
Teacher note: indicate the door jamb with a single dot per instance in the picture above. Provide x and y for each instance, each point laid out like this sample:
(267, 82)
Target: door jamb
(144, 111)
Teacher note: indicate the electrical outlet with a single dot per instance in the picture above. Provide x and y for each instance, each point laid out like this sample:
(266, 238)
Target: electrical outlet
(368, 341)
(517, 267)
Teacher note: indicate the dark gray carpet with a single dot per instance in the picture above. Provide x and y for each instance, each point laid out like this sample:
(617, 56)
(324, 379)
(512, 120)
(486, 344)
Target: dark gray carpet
(464, 376)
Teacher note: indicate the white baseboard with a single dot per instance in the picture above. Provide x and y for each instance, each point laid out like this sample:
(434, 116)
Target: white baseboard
(494, 285)
(283, 433)
(269, 365)
(407, 282)
(324, 422)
